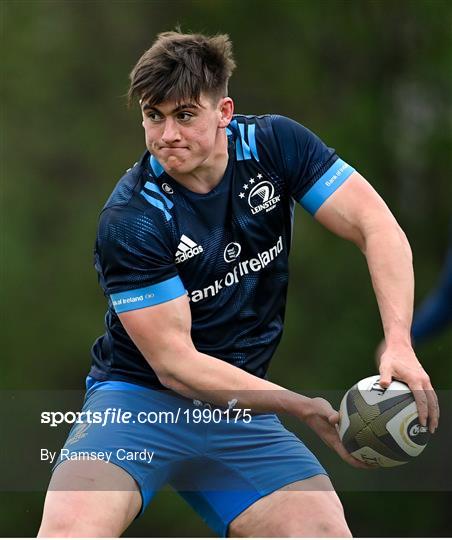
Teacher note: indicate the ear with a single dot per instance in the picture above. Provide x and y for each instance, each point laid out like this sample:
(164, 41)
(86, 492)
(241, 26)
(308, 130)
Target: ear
(226, 110)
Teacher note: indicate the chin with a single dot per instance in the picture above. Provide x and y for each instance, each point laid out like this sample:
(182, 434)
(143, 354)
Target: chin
(180, 167)
(176, 167)
(176, 172)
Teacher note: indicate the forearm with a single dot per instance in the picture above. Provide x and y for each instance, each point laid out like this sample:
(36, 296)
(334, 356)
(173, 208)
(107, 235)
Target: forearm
(389, 257)
(163, 335)
(357, 213)
(209, 379)
(389, 260)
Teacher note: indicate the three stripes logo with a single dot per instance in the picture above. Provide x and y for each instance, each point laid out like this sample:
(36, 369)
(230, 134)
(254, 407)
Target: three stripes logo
(187, 249)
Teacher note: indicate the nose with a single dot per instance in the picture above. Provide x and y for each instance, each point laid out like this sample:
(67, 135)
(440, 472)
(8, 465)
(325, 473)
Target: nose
(170, 131)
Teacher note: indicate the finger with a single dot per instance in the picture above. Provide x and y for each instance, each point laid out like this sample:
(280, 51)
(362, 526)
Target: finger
(358, 464)
(346, 456)
(433, 408)
(335, 443)
(385, 376)
(437, 407)
(351, 460)
(422, 405)
(334, 419)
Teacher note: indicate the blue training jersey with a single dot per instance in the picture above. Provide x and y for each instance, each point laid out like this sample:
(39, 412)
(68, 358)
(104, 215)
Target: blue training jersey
(227, 249)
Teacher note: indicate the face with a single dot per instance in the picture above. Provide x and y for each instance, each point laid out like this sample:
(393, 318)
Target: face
(185, 137)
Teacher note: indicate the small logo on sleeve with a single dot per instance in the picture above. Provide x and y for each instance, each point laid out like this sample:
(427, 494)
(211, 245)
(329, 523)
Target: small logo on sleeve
(187, 249)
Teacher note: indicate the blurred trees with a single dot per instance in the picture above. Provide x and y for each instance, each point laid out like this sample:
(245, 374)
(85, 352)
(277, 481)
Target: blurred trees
(372, 79)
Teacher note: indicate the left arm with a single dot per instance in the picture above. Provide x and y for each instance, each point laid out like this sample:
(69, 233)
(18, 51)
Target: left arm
(356, 212)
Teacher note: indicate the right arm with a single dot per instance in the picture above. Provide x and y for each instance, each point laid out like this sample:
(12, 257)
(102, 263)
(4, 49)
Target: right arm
(162, 334)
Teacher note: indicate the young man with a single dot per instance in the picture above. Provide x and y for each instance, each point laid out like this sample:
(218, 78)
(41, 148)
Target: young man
(192, 253)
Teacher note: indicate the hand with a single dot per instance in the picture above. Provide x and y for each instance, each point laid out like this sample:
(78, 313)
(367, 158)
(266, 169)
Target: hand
(401, 364)
(323, 419)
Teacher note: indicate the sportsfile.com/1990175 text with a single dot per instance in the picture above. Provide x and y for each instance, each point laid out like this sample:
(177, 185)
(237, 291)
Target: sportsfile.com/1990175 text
(111, 415)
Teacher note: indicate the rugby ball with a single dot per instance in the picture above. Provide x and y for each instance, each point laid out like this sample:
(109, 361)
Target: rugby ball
(381, 426)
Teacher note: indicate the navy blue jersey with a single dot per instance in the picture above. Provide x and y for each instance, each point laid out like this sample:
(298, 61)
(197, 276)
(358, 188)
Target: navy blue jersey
(227, 249)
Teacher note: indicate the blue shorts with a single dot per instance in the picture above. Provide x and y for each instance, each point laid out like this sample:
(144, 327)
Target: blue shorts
(219, 462)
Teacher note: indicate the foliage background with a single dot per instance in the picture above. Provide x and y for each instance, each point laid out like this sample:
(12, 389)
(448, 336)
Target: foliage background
(372, 78)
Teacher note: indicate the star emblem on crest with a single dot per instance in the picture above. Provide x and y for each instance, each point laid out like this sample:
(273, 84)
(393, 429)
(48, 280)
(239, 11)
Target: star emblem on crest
(252, 180)
(241, 195)
(245, 186)
(259, 176)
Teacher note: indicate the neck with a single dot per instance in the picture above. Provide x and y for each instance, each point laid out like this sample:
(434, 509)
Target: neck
(210, 173)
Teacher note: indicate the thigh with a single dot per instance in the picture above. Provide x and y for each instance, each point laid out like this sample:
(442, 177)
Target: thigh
(309, 508)
(246, 462)
(99, 497)
(131, 427)
(89, 499)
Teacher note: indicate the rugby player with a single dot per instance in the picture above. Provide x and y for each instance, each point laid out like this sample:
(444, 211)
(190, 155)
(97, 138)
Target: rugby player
(192, 254)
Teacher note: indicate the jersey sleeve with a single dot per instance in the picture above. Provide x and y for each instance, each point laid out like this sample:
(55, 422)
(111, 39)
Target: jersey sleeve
(314, 170)
(135, 265)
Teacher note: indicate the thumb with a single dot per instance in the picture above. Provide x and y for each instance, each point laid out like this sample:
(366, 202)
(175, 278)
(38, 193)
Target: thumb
(385, 376)
(333, 419)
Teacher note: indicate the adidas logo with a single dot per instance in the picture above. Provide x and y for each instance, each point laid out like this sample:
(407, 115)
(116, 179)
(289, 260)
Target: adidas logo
(187, 249)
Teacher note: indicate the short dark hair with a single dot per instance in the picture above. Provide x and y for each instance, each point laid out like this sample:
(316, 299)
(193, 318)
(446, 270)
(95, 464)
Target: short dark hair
(181, 67)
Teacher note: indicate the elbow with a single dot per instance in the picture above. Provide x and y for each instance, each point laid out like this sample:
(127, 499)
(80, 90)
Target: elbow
(172, 382)
(167, 376)
(171, 368)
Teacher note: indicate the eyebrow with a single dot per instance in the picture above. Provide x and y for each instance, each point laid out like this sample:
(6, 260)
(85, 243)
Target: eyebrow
(180, 107)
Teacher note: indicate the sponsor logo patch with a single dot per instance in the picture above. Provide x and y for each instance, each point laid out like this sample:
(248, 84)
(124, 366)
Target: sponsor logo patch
(232, 251)
(233, 277)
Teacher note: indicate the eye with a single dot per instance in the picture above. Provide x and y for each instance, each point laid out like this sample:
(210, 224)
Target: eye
(154, 116)
(185, 116)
